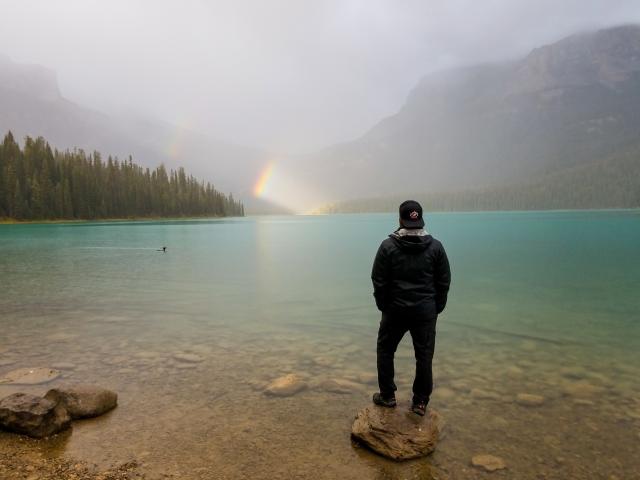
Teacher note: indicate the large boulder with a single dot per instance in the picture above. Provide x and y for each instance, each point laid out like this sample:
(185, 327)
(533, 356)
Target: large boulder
(397, 433)
(32, 415)
(83, 401)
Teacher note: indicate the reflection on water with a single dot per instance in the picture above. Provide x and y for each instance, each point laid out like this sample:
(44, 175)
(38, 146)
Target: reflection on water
(538, 307)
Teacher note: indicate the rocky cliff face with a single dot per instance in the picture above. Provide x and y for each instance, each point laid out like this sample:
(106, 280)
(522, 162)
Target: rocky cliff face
(607, 57)
(565, 104)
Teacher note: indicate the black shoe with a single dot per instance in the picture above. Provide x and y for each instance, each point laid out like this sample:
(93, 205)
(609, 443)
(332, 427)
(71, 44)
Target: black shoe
(419, 407)
(389, 402)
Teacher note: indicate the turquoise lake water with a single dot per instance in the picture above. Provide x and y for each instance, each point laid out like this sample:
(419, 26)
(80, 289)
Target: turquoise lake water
(545, 303)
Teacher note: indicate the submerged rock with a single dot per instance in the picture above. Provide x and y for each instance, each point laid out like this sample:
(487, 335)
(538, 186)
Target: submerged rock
(30, 376)
(529, 399)
(574, 373)
(351, 348)
(582, 389)
(498, 423)
(64, 366)
(368, 378)
(459, 385)
(397, 433)
(325, 361)
(444, 393)
(514, 371)
(32, 415)
(83, 401)
(341, 386)
(146, 354)
(188, 357)
(285, 386)
(185, 366)
(61, 337)
(480, 394)
(490, 463)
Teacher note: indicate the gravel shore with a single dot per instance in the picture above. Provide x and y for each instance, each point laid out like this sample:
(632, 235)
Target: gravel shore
(21, 462)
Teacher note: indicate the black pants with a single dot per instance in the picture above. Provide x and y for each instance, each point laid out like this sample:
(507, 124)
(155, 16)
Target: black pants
(393, 326)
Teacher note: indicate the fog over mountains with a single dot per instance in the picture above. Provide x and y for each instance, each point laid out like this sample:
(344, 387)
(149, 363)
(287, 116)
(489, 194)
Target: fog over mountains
(31, 104)
(571, 103)
(574, 103)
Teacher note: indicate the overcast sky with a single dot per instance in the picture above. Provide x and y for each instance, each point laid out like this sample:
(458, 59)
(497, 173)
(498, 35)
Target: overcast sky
(286, 75)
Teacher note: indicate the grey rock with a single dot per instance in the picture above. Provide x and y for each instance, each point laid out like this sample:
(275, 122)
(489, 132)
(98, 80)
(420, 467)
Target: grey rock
(574, 373)
(341, 386)
(514, 371)
(325, 361)
(83, 401)
(582, 389)
(397, 433)
(490, 463)
(188, 357)
(444, 393)
(352, 348)
(32, 415)
(30, 376)
(480, 394)
(285, 386)
(529, 399)
(459, 385)
(368, 378)
(61, 337)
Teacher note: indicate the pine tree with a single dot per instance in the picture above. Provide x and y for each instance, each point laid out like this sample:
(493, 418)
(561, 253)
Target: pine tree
(16, 209)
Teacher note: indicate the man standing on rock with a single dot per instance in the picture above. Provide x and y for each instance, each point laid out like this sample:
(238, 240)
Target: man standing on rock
(411, 278)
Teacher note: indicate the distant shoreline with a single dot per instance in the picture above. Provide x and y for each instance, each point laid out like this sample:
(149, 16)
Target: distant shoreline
(11, 221)
(437, 211)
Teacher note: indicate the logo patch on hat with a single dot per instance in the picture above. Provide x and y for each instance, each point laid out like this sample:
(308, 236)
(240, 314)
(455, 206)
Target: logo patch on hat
(413, 215)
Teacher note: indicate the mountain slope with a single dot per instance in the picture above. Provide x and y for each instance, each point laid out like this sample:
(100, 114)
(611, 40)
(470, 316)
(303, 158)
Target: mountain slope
(610, 183)
(574, 102)
(31, 104)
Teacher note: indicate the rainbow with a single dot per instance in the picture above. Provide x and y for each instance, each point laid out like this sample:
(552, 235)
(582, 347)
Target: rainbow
(263, 179)
(177, 140)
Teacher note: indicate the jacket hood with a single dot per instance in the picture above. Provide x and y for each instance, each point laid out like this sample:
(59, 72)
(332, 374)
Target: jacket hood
(411, 243)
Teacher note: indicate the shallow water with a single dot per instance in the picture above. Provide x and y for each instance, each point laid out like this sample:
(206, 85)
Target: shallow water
(542, 303)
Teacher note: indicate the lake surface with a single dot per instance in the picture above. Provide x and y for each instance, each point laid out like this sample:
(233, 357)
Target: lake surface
(541, 303)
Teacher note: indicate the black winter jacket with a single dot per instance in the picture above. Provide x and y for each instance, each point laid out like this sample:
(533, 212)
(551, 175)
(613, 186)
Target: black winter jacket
(411, 272)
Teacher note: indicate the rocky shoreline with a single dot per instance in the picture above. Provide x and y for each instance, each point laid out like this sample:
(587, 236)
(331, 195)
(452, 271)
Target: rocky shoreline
(221, 406)
(20, 461)
(34, 417)
(42, 416)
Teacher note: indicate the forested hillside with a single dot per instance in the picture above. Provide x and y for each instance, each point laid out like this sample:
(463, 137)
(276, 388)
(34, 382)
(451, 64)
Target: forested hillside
(39, 183)
(610, 183)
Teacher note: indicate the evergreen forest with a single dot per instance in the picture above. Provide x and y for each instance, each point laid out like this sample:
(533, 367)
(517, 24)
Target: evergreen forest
(40, 183)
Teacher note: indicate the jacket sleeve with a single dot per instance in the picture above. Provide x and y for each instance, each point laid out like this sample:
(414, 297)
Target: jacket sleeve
(442, 279)
(380, 278)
